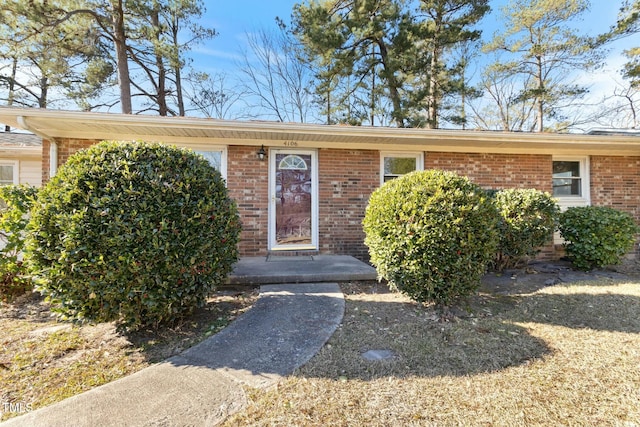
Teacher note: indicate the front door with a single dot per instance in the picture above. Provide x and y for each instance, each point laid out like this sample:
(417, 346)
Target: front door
(293, 219)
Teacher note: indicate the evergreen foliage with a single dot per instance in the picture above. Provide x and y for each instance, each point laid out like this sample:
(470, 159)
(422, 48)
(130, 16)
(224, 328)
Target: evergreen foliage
(387, 52)
(431, 235)
(540, 46)
(597, 236)
(132, 232)
(528, 219)
(17, 201)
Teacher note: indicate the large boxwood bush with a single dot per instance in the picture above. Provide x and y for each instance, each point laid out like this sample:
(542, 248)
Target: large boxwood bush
(132, 232)
(16, 203)
(431, 234)
(597, 236)
(528, 218)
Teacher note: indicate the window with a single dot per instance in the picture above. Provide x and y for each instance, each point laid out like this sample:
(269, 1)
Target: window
(8, 173)
(571, 180)
(394, 165)
(570, 184)
(216, 158)
(8, 176)
(567, 180)
(293, 162)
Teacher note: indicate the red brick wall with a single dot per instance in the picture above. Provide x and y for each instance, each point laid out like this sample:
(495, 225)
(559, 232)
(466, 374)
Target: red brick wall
(248, 184)
(615, 182)
(46, 144)
(66, 147)
(347, 179)
(497, 171)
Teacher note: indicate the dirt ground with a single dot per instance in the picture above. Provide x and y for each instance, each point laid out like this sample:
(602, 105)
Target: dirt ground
(538, 274)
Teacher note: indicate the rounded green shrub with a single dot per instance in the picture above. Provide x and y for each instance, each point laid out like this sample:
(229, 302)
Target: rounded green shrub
(528, 219)
(431, 235)
(16, 203)
(132, 232)
(597, 236)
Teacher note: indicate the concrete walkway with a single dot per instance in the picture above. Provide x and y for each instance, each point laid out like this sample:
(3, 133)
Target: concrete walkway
(202, 386)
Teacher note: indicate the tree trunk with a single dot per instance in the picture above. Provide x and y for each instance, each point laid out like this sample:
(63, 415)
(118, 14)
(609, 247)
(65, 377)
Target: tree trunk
(12, 85)
(120, 42)
(432, 100)
(540, 96)
(161, 96)
(393, 86)
(179, 94)
(329, 106)
(44, 91)
(373, 90)
(176, 67)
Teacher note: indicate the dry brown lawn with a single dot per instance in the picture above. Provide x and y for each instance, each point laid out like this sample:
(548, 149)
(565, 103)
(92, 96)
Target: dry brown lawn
(43, 361)
(528, 355)
(559, 355)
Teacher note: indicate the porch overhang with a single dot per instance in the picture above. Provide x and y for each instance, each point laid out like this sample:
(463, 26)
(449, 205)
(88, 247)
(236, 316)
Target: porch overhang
(199, 132)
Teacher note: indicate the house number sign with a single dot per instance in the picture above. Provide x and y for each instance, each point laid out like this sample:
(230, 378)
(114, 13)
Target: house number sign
(290, 144)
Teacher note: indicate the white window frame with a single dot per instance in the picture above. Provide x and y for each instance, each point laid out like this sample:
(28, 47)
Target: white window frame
(565, 202)
(16, 169)
(223, 158)
(585, 188)
(419, 156)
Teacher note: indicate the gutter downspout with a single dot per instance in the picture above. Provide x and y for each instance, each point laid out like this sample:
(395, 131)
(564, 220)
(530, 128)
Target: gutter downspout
(53, 145)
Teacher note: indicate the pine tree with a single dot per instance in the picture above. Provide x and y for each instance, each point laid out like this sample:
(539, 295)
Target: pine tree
(41, 62)
(628, 24)
(392, 50)
(544, 50)
(448, 23)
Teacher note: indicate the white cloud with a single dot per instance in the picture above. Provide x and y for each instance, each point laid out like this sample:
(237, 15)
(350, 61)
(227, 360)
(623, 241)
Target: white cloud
(215, 53)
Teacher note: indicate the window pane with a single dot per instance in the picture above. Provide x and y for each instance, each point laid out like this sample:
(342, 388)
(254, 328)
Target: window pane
(213, 157)
(399, 165)
(6, 174)
(566, 169)
(567, 187)
(566, 178)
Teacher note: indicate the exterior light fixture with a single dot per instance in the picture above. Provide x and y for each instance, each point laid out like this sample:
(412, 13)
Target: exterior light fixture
(262, 154)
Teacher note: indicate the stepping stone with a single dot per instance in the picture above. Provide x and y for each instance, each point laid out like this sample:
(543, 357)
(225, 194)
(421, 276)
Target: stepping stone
(376, 355)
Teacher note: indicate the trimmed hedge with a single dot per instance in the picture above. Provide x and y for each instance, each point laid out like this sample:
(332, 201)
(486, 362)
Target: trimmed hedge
(132, 232)
(597, 236)
(14, 278)
(528, 219)
(431, 235)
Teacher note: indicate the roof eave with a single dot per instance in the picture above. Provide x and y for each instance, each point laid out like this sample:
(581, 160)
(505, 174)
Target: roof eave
(54, 124)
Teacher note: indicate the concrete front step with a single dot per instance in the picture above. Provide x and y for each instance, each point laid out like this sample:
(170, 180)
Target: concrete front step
(300, 269)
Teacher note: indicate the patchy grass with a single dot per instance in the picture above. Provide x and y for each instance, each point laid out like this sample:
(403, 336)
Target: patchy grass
(43, 361)
(559, 355)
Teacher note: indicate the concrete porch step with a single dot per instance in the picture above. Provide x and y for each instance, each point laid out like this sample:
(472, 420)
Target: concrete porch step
(299, 269)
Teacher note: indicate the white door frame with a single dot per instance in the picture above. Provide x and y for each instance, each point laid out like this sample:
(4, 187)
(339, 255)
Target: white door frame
(273, 244)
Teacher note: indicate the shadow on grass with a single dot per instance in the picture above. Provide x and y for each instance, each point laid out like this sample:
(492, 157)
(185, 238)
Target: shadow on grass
(600, 312)
(421, 345)
(489, 339)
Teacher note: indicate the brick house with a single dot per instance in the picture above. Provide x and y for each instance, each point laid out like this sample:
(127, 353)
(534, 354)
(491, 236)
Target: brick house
(304, 188)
